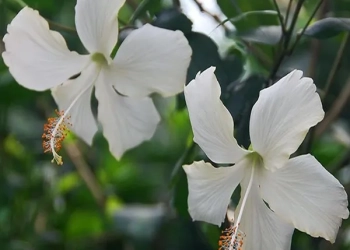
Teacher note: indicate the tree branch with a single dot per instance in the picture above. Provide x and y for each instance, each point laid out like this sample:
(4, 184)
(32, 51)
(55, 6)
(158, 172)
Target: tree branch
(335, 65)
(305, 27)
(85, 173)
(286, 40)
(280, 17)
(215, 17)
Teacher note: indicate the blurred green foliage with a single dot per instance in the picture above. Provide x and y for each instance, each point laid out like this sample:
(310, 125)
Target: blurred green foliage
(140, 202)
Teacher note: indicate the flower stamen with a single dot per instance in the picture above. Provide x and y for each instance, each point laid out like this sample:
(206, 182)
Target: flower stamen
(55, 131)
(236, 232)
(225, 240)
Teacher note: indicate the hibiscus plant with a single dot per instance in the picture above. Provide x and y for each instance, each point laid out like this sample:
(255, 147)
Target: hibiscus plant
(176, 124)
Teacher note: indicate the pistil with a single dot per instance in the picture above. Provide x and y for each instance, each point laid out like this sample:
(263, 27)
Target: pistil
(56, 129)
(235, 244)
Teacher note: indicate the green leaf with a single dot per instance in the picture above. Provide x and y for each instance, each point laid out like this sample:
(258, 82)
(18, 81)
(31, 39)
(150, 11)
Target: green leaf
(241, 20)
(67, 182)
(205, 54)
(270, 35)
(145, 6)
(328, 27)
(2, 21)
(212, 232)
(113, 204)
(47, 7)
(83, 223)
(173, 19)
(247, 14)
(328, 150)
(243, 97)
(181, 194)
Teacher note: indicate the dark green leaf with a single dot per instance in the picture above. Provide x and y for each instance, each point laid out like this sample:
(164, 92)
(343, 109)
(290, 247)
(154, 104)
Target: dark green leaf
(181, 194)
(2, 21)
(143, 7)
(205, 54)
(234, 9)
(173, 19)
(83, 223)
(328, 27)
(244, 18)
(270, 35)
(244, 95)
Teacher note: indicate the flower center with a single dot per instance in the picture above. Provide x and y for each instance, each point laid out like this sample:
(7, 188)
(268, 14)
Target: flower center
(99, 58)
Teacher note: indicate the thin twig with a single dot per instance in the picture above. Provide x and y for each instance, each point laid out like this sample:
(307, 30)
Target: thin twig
(316, 49)
(58, 26)
(215, 17)
(335, 65)
(293, 23)
(280, 17)
(315, 55)
(85, 172)
(288, 11)
(335, 110)
(305, 27)
(258, 53)
(286, 38)
(185, 158)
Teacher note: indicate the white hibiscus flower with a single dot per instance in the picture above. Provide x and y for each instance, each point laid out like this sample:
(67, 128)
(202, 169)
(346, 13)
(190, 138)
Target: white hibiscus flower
(299, 192)
(149, 60)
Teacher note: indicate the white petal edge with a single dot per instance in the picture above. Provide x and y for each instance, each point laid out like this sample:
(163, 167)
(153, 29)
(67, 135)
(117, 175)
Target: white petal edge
(126, 121)
(262, 228)
(282, 116)
(305, 194)
(210, 190)
(152, 60)
(97, 24)
(37, 57)
(212, 123)
(79, 91)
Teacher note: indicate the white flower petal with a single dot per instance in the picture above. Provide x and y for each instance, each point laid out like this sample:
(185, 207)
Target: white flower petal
(262, 228)
(97, 24)
(211, 122)
(77, 92)
(305, 194)
(210, 189)
(151, 60)
(282, 116)
(38, 58)
(126, 121)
